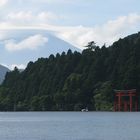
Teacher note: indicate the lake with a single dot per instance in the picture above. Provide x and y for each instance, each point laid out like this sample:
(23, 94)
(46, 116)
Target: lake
(69, 126)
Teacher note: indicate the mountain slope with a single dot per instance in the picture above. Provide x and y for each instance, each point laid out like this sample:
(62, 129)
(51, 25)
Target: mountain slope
(25, 54)
(3, 71)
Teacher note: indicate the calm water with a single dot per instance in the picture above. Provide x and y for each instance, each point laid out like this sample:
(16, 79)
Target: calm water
(69, 126)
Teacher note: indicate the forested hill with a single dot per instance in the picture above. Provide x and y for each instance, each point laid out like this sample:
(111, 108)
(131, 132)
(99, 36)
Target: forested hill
(73, 80)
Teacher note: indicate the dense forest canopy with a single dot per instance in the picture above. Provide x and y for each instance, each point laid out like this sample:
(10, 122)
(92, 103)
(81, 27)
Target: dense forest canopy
(73, 80)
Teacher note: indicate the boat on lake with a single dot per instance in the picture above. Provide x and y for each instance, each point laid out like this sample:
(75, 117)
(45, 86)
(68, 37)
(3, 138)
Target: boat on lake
(84, 109)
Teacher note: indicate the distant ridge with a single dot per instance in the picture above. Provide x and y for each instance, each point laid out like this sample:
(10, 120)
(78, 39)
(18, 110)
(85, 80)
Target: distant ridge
(3, 71)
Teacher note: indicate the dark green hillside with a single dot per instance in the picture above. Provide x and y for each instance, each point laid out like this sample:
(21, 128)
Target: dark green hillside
(73, 80)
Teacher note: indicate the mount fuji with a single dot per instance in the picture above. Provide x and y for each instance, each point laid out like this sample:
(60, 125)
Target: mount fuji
(16, 47)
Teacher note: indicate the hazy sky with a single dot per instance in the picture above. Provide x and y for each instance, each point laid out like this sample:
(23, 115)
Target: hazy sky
(75, 21)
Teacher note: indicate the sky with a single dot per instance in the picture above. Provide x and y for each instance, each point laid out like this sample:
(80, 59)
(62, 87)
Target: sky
(74, 21)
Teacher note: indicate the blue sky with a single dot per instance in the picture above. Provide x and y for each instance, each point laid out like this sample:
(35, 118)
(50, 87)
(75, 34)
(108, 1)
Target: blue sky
(74, 21)
(76, 12)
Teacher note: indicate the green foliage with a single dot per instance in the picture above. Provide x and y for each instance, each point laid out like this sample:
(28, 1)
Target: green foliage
(104, 96)
(73, 80)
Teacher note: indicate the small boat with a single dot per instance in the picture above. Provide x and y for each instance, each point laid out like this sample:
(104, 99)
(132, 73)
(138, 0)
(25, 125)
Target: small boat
(84, 109)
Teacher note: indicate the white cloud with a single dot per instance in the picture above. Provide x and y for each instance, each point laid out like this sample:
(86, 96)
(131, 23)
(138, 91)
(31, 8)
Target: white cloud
(5, 65)
(12, 66)
(31, 43)
(20, 15)
(19, 66)
(106, 33)
(59, 1)
(45, 16)
(3, 2)
(3, 35)
(79, 36)
(30, 18)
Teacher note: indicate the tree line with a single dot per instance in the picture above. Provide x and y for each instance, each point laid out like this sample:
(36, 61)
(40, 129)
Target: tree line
(73, 80)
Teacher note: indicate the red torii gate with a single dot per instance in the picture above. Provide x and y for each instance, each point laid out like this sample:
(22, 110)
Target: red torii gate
(126, 100)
